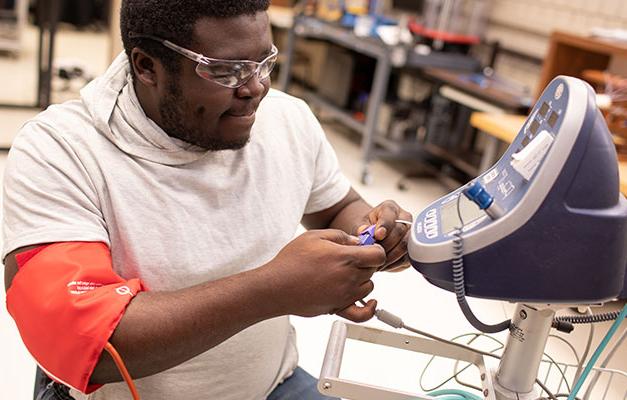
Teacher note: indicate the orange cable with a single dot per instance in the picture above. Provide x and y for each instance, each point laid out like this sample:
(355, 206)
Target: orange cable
(122, 368)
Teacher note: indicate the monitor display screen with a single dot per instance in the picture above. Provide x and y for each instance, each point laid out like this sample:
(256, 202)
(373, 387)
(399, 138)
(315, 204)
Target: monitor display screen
(469, 211)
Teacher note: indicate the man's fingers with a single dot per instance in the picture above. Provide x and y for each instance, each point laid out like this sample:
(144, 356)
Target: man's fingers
(386, 216)
(359, 314)
(399, 231)
(362, 228)
(363, 276)
(387, 230)
(364, 290)
(398, 250)
(397, 236)
(337, 236)
(398, 265)
(366, 256)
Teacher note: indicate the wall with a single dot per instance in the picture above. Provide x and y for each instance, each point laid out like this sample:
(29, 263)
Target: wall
(520, 25)
(525, 26)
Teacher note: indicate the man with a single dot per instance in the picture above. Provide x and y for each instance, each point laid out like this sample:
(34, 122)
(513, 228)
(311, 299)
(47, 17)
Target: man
(157, 214)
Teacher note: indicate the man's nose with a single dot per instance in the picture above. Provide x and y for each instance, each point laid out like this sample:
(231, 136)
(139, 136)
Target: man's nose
(253, 88)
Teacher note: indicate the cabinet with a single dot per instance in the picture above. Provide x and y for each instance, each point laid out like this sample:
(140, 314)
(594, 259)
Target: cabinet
(572, 54)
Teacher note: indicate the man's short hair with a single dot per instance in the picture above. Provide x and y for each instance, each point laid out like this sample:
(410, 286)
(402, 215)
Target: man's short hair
(174, 20)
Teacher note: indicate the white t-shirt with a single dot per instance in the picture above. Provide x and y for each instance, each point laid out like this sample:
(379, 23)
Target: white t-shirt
(97, 169)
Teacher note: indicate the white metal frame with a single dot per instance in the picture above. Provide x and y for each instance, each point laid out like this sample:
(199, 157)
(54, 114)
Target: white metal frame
(330, 384)
(513, 377)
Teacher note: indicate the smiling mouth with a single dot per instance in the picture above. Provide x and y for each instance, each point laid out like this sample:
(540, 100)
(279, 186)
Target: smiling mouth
(245, 114)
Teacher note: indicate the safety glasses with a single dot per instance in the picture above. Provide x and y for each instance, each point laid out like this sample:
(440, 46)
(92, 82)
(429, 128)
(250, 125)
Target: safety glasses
(228, 73)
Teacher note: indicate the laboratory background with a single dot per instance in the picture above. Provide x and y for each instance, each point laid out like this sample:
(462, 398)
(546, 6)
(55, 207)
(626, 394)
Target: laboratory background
(441, 106)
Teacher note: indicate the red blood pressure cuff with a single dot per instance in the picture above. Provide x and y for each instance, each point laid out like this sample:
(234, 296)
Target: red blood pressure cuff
(66, 301)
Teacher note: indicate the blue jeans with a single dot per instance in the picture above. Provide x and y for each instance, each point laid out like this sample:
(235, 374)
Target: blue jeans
(299, 386)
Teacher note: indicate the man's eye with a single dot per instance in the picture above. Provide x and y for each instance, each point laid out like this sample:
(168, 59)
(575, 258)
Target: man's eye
(223, 70)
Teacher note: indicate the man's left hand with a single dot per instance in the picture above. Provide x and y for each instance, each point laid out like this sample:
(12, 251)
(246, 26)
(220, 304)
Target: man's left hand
(393, 236)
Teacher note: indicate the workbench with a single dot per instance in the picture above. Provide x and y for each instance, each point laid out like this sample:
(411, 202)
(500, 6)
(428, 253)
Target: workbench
(373, 145)
(504, 128)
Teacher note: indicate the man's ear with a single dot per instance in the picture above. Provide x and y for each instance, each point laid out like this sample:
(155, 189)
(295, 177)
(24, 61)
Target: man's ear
(144, 66)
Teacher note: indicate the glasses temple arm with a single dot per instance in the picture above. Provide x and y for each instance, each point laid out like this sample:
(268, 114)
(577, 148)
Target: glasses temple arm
(181, 50)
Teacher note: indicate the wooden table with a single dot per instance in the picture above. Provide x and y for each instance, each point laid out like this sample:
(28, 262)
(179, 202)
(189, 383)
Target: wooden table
(499, 128)
(505, 128)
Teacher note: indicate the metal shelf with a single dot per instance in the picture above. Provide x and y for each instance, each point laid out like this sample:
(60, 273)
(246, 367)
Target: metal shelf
(334, 111)
(403, 148)
(373, 144)
(400, 56)
(12, 23)
(455, 160)
(399, 147)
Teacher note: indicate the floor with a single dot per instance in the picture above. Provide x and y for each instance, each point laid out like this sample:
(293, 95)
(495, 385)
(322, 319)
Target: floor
(406, 294)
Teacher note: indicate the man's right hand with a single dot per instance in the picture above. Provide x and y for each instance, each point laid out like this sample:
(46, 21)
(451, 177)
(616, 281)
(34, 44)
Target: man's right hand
(324, 272)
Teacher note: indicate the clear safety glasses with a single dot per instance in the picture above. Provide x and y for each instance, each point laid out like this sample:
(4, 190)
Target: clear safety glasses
(228, 73)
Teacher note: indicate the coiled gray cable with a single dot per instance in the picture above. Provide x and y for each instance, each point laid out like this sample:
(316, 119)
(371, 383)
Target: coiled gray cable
(588, 319)
(460, 285)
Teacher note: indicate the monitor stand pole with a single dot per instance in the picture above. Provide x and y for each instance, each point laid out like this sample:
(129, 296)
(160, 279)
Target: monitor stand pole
(518, 369)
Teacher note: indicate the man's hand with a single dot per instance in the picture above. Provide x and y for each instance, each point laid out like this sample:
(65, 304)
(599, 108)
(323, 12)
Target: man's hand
(354, 215)
(391, 235)
(323, 272)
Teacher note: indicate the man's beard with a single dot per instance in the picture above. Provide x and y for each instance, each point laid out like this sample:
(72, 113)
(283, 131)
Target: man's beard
(173, 123)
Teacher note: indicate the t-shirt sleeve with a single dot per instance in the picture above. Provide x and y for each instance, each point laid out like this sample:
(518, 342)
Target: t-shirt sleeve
(48, 194)
(330, 185)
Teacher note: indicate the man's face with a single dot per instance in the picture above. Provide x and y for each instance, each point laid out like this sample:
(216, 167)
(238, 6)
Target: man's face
(204, 113)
